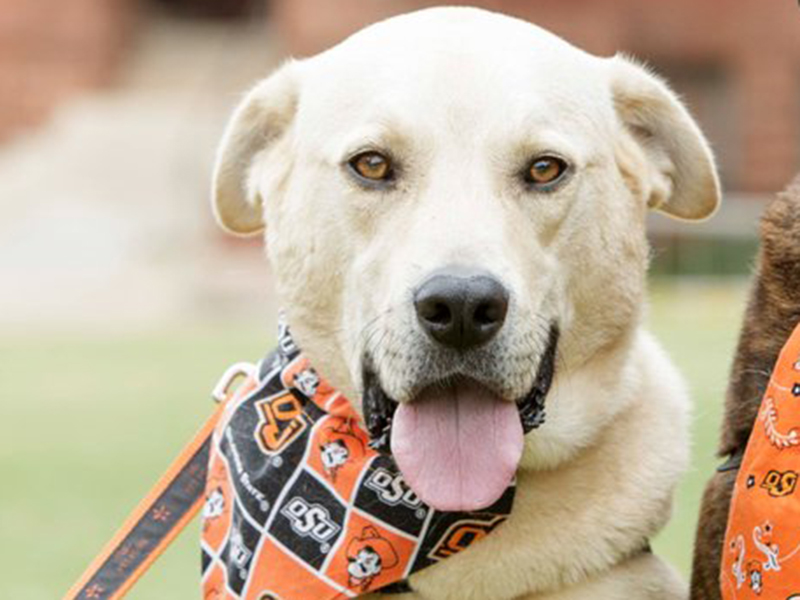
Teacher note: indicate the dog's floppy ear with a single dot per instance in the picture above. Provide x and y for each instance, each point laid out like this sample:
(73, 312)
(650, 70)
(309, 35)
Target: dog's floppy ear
(682, 177)
(260, 119)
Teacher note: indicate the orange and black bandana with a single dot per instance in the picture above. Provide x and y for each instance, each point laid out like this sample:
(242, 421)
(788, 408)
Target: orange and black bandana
(761, 555)
(299, 506)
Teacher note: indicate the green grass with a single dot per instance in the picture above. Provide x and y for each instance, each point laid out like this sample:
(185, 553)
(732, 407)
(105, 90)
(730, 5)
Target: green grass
(87, 424)
(698, 324)
(86, 427)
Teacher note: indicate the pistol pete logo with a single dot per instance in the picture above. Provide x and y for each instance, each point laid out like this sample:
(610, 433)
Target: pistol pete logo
(367, 557)
(310, 520)
(280, 422)
(780, 484)
(392, 489)
(460, 535)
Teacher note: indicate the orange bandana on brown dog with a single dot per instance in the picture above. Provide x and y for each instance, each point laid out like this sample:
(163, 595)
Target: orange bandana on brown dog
(299, 506)
(761, 556)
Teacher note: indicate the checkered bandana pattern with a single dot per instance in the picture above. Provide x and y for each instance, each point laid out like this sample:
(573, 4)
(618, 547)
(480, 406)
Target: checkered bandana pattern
(298, 506)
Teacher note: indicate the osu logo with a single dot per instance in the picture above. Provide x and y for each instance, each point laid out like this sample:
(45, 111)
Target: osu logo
(280, 422)
(392, 489)
(780, 484)
(310, 520)
(461, 535)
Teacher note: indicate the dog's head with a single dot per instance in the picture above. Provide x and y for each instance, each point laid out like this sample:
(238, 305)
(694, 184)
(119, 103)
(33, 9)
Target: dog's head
(453, 197)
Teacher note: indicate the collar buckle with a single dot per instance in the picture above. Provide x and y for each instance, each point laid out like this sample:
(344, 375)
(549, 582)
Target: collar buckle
(222, 391)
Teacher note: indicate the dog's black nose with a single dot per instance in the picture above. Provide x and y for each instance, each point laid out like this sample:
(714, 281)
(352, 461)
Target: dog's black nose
(461, 308)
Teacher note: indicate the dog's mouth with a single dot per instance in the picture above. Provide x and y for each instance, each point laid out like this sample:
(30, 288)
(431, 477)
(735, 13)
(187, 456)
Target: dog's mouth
(457, 442)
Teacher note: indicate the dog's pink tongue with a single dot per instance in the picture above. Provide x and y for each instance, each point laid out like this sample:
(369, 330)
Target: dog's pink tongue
(457, 448)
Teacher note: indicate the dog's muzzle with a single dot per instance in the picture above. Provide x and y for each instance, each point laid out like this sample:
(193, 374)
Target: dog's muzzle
(379, 408)
(458, 443)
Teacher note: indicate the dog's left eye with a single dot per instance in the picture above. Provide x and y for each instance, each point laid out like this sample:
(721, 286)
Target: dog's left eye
(545, 171)
(372, 166)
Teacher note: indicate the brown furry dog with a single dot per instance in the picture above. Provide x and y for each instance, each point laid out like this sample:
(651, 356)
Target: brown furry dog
(772, 312)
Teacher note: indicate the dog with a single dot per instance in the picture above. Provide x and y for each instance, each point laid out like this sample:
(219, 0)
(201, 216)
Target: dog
(453, 202)
(773, 309)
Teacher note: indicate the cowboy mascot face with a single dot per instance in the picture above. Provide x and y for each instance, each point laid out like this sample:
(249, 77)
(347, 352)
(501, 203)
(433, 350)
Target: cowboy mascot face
(367, 557)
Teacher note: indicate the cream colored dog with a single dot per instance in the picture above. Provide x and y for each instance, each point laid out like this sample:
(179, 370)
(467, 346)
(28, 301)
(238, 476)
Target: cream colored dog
(514, 171)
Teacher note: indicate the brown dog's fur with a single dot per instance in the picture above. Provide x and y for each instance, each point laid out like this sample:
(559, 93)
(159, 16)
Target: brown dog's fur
(772, 312)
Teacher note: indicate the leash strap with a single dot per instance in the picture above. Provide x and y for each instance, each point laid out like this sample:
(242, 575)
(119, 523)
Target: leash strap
(153, 524)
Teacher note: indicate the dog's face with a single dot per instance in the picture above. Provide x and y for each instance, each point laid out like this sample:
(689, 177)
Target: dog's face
(446, 192)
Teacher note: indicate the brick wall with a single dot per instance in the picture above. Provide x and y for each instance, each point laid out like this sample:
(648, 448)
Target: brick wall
(736, 62)
(49, 49)
(750, 48)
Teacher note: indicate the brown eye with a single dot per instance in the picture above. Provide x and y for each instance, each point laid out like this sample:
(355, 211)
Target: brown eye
(545, 170)
(372, 165)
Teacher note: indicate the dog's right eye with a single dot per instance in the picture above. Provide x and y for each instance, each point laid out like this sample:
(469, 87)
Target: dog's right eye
(545, 171)
(372, 166)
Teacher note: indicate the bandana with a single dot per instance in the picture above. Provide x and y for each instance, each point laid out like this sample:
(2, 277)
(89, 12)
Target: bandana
(301, 506)
(761, 555)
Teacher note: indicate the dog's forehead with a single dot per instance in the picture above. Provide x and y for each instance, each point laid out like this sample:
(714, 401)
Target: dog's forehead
(446, 63)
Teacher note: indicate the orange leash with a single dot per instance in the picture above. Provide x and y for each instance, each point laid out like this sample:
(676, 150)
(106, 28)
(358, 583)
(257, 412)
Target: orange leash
(158, 519)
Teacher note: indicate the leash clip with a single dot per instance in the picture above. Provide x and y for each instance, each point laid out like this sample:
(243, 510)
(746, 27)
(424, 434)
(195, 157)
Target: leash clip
(241, 369)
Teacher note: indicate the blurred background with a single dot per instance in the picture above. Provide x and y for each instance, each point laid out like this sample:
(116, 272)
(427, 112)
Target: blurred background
(120, 302)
